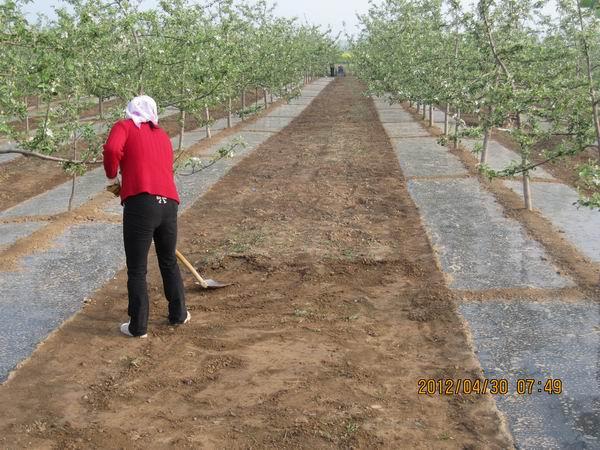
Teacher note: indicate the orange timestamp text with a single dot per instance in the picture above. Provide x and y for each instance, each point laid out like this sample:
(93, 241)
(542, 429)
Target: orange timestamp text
(494, 386)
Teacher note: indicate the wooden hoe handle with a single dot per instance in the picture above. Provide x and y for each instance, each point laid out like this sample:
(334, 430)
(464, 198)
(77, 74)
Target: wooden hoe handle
(189, 266)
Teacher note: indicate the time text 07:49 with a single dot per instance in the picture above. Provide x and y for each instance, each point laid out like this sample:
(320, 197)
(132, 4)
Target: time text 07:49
(494, 386)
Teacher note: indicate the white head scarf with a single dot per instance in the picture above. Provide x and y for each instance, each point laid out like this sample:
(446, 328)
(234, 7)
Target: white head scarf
(142, 109)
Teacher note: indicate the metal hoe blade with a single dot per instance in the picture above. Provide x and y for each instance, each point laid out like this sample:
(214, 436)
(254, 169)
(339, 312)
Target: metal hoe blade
(213, 284)
(206, 284)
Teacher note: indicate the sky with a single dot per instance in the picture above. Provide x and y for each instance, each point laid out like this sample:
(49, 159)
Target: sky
(324, 13)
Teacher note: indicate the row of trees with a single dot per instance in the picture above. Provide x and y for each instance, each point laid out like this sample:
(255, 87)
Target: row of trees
(186, 55)
(513, 64)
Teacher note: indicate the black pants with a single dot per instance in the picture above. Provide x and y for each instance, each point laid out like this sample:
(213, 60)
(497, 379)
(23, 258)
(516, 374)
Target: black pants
(147, 217)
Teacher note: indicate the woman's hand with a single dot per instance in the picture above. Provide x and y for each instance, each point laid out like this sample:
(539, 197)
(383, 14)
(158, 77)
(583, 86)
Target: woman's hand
(114, 186)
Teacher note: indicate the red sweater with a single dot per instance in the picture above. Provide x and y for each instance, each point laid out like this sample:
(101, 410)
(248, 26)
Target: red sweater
(145, 156)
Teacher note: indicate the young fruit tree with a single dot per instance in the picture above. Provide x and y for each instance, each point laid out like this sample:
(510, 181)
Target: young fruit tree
(504, 64)
(189, 56)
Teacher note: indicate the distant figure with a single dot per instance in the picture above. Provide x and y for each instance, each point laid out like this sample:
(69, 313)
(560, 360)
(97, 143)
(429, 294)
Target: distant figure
(331, 70)
(341, 71)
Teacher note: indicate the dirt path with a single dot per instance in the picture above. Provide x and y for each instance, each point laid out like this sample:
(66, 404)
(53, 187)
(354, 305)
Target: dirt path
(338, 311)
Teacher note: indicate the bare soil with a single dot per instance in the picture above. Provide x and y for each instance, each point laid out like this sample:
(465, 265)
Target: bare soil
(338, 309)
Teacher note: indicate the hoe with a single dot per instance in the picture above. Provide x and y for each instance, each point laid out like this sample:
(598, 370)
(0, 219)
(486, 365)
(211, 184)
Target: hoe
(205, 283)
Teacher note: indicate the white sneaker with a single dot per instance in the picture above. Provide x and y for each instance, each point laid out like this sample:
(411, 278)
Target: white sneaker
(187, 319)
(125, 331)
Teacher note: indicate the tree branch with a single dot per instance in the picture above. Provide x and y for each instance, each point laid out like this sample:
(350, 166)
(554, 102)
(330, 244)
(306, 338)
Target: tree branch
(45, 157)
(491, 40)
(527, 168)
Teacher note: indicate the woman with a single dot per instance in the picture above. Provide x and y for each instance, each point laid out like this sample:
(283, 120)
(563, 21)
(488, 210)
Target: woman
(144, 154)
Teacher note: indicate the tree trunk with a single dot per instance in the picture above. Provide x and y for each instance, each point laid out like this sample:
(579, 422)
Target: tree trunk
(597, 127)
(527, 189)
(243, 103)
(229, 112)
(456, 125)
(424, 111)
(26, 117)
(181, 130)
(265, 98)
(430, 115)
(487, 135)
(486, 142)
(524, 163)
(590, 77)
(100, 108)
(418, 107)
(207, 113)
(271, 95)
(72, 195)
(446, 114)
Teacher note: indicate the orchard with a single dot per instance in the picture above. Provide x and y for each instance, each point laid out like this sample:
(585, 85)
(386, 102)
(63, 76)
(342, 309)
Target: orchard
(187, 56)
(388, 239)
(512, 65)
